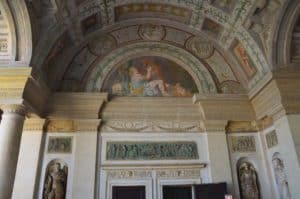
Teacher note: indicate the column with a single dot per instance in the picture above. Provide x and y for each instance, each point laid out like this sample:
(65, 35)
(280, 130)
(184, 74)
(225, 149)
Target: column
(10, 135)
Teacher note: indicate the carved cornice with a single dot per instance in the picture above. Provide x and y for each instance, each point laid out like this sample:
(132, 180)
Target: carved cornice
(242, 127)
(72, 126)
(77, 105)
(34, 124)
(225, 107)
(12, 83)
(215, 125)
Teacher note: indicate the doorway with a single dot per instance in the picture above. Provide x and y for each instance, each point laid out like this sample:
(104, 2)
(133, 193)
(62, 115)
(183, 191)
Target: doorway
(177, 192)
(129, 192)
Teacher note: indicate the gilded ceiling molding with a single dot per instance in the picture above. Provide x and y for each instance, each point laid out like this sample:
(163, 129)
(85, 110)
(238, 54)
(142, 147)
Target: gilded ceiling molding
(202, 77)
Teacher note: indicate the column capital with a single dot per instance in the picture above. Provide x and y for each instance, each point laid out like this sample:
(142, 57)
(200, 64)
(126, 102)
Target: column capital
(14, 108)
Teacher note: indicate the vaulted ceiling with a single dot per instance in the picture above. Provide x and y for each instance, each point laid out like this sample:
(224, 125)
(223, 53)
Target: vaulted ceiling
(229, 44)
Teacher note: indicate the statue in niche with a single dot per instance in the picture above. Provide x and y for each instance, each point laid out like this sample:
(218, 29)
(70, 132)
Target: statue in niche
(55, 181)
(281, 178)
(248, 181)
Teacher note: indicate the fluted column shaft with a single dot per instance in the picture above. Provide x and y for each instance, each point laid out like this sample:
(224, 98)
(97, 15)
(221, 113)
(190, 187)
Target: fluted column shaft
(11, 127)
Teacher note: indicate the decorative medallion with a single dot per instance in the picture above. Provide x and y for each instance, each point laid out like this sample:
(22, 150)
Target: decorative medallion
(271, 139)
(151, 151)
(243, 144)
(152, 32)
(60, 144)
(201, 47)
(102, 44)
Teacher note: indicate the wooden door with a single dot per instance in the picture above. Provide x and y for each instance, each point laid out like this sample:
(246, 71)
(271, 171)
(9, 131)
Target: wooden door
(177, 192)
(129, 192)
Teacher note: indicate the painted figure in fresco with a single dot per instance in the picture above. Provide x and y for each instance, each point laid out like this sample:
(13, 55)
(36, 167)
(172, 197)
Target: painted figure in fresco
(248, 181)
(244, 58)
(281, 178)
(146, 85)
(150, 76)
(55, 182)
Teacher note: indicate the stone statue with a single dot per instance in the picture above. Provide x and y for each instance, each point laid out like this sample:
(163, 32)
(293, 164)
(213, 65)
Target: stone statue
(248, 181)
(55, 181)
(281, 178)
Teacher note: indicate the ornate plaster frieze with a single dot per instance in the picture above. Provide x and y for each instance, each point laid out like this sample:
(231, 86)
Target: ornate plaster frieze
(179, 173)
(129, 174)
(196, 69)
(152, 126)
(72, 126)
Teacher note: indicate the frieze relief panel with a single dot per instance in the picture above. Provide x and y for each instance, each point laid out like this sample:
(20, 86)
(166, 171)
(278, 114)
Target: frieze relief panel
(128, 174)
(60, 144)
(243, 144)
(151, 151)
(271, 139)
(176, 173)
(152, 126)
(160, 173)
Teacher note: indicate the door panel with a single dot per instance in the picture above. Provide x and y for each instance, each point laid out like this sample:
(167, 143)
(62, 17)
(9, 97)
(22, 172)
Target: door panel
(129, 192)
(177, 192)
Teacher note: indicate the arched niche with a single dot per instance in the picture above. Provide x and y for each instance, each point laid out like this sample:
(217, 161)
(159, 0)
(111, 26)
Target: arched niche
(100, 71)
(55, 183)
(249, 186)
(280, 176)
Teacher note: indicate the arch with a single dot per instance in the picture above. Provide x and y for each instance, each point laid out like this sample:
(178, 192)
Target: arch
(281, 55)
(19, 31)
(203, 79)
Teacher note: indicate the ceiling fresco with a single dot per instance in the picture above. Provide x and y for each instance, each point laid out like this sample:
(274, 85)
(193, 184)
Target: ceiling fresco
(232, 39)
(150, 77)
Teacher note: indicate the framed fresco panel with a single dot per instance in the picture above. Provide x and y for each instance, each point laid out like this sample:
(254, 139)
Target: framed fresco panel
(150, 77)
(245, 60)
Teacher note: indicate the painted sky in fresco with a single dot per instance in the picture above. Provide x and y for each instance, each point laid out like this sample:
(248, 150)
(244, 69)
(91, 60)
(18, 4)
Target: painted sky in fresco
(150, 77)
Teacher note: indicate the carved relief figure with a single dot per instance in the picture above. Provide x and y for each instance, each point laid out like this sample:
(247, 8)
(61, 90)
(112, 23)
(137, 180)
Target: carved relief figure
(281, 178)
(55, 180)
(152, 32)
(248, 181)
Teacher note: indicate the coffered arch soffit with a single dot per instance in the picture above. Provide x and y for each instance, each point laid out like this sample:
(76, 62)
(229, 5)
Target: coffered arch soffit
(237, 26)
